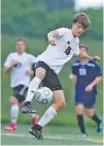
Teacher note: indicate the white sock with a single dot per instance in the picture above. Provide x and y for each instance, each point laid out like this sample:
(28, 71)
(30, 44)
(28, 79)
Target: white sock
(14, 113)
(48, 116)
(32, 88)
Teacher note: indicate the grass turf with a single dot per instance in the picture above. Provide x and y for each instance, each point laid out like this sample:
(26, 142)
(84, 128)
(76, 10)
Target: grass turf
(53, 135)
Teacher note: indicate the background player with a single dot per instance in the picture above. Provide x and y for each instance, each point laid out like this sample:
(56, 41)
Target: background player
(64, 43)
(19, 65)
(86, 74)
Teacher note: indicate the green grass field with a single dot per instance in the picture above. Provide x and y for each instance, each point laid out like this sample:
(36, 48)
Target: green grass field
(53, 135)
(36, 46)
(66, 133)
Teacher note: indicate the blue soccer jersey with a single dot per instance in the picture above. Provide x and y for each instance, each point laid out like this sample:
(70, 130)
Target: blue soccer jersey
(85, 73)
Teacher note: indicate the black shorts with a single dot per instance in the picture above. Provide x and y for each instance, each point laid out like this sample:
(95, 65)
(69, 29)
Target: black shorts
(20, 92)
(51, 79)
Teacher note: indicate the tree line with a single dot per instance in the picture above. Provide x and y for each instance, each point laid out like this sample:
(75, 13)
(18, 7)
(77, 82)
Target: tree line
(35, 18)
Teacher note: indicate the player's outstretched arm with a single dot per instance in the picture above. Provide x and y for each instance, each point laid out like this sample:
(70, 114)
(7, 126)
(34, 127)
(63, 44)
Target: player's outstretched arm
(56, 33)
(51, 37)
(86, 56)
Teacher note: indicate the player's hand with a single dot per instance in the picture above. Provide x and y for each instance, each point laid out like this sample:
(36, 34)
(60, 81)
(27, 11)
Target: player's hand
(89, 88)
(72, 77)
(52, 42)
(96, 58)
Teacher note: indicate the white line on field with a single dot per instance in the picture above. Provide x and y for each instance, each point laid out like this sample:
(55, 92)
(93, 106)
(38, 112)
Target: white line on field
(72, 137)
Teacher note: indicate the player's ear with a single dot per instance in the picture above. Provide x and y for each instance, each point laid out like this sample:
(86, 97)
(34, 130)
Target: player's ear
(73, 23)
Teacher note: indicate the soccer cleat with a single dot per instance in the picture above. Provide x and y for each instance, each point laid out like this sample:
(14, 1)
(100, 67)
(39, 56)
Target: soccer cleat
(35, 120)
(82, 136)
(27, 108)
(11, 127)
(36, 133)
(100, 127)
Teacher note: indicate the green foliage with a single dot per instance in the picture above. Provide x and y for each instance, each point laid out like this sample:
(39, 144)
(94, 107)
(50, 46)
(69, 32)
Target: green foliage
(95, 30)
(35, 18)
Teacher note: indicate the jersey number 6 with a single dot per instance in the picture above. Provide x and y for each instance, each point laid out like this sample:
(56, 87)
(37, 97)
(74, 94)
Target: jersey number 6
(67, 51)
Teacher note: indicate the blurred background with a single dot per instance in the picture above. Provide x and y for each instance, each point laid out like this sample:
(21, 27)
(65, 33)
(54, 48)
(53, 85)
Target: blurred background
(33, 19)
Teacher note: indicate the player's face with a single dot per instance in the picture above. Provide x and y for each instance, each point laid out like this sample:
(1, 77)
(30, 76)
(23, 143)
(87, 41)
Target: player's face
(77, 29)
(83, 50)
(20, 46)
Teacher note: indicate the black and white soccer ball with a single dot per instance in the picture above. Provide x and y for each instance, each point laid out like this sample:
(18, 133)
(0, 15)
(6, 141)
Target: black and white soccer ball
(43, 95)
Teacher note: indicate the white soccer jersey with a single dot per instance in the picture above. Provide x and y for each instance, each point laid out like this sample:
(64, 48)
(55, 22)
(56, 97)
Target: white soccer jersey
(18, 72)
(66, 46)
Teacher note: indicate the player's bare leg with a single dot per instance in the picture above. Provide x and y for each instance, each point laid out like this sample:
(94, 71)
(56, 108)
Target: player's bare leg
(91, 114)
(59, 103)
(39, 75)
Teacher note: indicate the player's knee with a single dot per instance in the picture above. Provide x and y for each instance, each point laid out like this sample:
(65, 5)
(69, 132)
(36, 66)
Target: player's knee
(89, 112)
(89, 115)
(40, 73)
(79, 112)
(13, 100)
(61, 104)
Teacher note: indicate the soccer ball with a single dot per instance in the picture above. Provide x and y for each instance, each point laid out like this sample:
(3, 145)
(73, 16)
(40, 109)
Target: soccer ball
(43, 95)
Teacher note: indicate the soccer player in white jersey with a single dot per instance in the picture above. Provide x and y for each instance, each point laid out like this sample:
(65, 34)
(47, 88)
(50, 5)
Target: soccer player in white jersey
(19, 65)
(63, 45)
